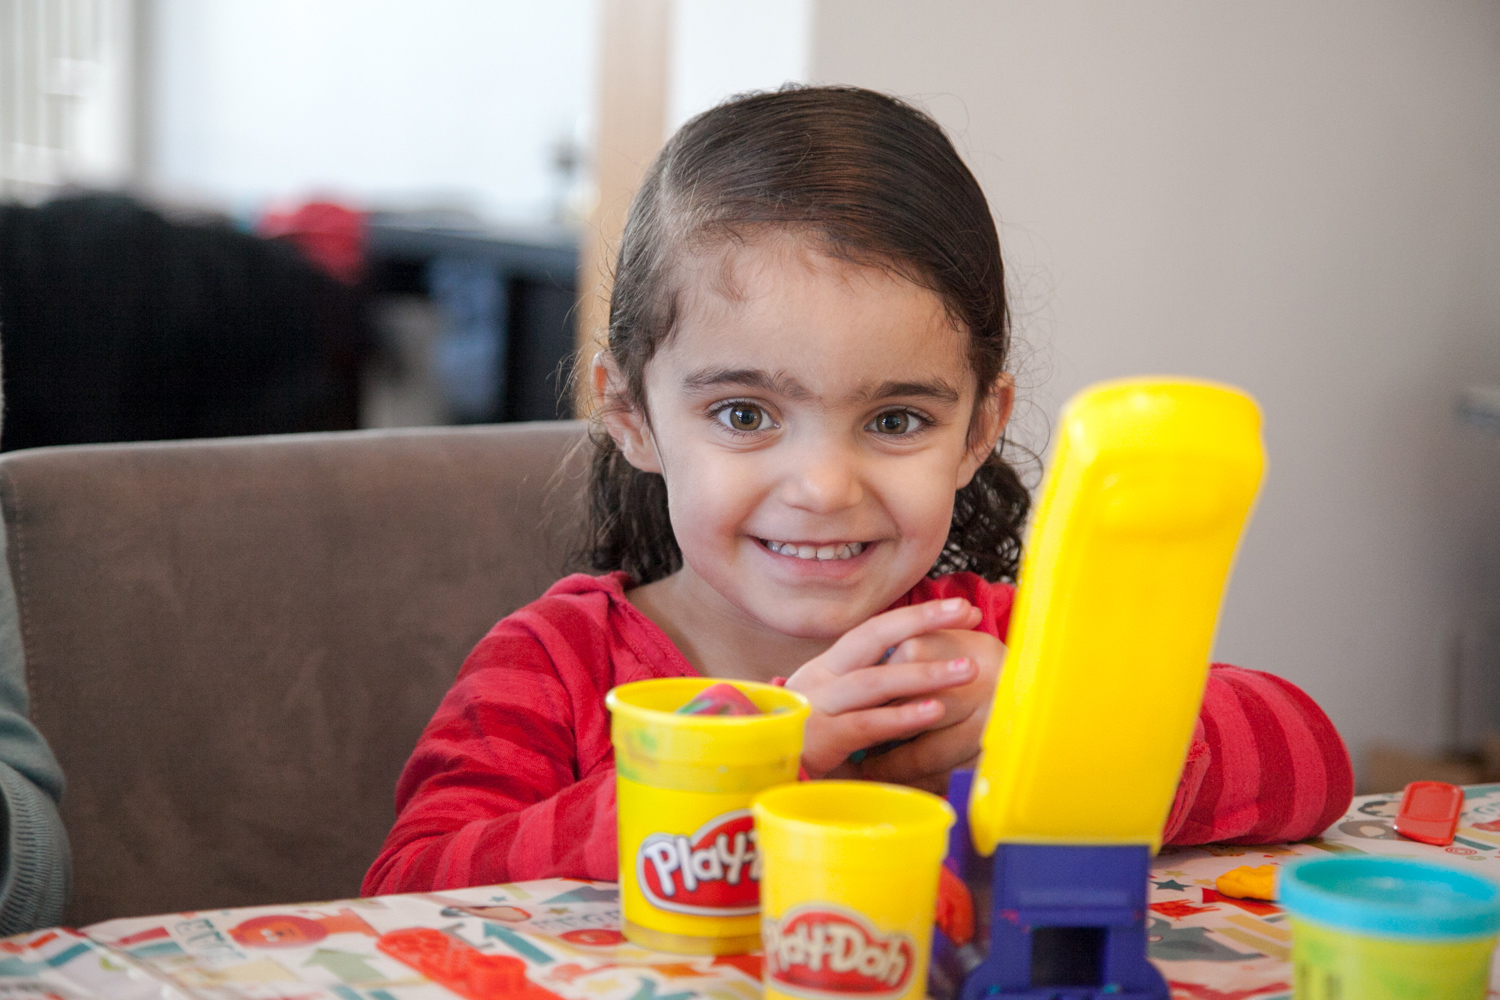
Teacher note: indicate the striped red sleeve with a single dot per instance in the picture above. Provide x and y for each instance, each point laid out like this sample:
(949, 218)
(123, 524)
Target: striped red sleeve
(1266, 765)
(495, 790)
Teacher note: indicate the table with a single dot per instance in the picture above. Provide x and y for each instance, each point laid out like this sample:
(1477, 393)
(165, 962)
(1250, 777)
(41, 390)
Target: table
(566, 931)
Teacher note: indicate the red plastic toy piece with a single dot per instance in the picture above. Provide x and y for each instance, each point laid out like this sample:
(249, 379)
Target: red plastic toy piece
(1430, 811)
(462, 968)
(955, 908)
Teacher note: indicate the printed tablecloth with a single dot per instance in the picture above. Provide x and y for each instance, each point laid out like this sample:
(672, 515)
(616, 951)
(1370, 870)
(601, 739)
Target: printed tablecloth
(567, 932)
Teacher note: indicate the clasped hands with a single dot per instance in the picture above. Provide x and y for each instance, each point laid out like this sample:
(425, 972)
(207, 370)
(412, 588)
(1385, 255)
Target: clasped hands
(932, 691)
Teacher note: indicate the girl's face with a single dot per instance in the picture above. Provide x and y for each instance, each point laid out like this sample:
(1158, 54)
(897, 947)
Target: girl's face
(811, 419)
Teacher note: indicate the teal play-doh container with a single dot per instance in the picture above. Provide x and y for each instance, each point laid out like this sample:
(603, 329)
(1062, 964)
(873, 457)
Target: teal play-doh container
(1389, 929)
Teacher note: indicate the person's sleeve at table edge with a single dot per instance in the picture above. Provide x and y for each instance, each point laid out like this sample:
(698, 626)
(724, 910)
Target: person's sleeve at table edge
(491, 792)
(37, 870)
(1265, 766)
(38, 865)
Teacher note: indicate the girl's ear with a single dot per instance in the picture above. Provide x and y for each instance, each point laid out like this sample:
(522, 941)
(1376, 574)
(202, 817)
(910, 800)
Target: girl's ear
(990, 419)
(626, 425)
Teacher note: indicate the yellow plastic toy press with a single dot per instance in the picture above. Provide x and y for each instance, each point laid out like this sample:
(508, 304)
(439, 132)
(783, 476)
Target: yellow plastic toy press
(1130, 547)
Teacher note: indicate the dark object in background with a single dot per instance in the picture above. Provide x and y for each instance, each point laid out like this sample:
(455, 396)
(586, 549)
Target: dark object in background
(469, 354)
(119, 325)
(509, 295)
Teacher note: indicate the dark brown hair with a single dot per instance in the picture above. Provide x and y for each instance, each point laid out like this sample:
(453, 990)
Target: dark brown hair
(869, 179)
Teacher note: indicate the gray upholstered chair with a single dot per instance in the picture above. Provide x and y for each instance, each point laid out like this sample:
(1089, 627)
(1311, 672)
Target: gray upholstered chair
(232, 645)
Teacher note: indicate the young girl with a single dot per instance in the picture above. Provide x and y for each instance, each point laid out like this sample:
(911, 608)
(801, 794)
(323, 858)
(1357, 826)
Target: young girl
(803, 391)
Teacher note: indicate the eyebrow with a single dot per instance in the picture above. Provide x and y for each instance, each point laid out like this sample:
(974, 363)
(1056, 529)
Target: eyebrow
(936, 390)
(746, 378)
(784, 385)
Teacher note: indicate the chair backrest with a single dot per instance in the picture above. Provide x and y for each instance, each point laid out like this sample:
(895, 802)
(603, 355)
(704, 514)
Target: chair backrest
(233, 645)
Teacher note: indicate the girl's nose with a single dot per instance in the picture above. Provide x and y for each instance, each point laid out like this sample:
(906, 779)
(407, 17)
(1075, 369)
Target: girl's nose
(823, 480)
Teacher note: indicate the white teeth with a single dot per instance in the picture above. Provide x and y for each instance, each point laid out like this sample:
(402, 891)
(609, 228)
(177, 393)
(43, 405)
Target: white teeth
(844, 550)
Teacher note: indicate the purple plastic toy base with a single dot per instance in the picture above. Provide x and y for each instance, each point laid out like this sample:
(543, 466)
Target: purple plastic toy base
(1063, 922)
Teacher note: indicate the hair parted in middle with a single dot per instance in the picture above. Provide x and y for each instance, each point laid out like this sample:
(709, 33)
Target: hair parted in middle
(864, 178)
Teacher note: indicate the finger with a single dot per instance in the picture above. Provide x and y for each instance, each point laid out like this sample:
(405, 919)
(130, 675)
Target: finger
(936, 752)
(923, 647)
(877, 685)
(964, 700)
(855, 730)
(868, 641)
(938, 644)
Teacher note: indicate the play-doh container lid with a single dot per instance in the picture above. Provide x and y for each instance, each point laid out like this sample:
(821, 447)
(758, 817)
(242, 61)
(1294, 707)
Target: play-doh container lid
(1391, 897)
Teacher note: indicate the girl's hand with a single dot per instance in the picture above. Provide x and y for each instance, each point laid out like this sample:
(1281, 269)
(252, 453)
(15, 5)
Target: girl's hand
(926, 761)
(858, 702)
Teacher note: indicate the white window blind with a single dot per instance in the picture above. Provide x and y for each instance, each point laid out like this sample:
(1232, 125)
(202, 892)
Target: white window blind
(67, 102)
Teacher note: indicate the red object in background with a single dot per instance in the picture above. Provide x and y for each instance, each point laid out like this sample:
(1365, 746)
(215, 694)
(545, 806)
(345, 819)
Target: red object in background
(1429, 812)
(330, 235)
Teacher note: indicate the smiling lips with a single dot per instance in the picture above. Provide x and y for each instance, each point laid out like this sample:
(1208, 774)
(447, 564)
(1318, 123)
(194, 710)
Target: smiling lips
(843, 550)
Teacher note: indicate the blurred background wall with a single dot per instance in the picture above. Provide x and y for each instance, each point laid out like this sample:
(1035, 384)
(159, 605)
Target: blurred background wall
(463, 102)
(1299, 198)
(1295, 197)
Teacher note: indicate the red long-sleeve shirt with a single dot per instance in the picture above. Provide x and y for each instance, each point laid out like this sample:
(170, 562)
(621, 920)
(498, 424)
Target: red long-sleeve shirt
(514, 776)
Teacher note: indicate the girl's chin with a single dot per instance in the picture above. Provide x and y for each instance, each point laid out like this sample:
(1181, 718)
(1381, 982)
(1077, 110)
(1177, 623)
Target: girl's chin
(811, 620)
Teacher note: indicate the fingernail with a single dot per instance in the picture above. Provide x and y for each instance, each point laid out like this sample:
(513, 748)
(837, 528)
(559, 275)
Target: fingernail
(959, 666)
(952, 604)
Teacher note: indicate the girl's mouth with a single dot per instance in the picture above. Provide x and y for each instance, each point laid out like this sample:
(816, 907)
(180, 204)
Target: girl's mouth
(821, 553)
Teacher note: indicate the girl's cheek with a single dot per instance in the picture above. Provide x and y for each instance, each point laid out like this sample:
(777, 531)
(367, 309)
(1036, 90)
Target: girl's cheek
(706, 499)
(929, 508)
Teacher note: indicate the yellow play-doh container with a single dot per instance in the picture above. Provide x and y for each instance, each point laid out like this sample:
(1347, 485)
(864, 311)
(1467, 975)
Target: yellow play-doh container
(849, 888)
(689, 858)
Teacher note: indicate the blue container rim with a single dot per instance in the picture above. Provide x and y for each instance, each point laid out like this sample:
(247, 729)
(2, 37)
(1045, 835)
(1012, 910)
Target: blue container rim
(1458, 904)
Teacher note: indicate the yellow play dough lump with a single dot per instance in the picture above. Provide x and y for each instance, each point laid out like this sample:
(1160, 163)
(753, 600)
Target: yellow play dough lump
(1245, 882)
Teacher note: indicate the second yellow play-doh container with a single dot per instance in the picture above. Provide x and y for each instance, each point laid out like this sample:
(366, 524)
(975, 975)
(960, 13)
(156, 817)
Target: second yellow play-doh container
(849, 888)
(689, 858)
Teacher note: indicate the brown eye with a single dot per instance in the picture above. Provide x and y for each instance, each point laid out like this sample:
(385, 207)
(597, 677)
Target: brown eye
(895, 422)
(742, 417)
